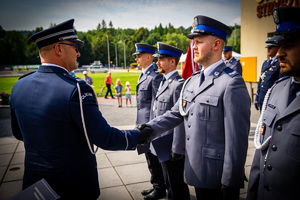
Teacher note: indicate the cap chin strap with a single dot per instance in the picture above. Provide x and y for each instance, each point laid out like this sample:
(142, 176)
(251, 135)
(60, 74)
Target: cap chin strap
(257, 142)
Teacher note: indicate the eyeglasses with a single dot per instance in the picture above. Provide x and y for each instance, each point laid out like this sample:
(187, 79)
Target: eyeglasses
(74, 45)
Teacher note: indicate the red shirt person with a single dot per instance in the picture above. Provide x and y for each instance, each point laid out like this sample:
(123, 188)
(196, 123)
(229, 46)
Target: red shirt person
(108, 82)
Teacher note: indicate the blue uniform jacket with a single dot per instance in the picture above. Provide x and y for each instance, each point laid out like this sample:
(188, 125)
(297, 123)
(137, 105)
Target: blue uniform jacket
(45, 114)
(235, 65)
(270, 72)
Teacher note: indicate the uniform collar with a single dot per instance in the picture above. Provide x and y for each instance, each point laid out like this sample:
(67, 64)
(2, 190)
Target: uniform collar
(54, 65)
(145, 70)
(211, 68)
(167, 76)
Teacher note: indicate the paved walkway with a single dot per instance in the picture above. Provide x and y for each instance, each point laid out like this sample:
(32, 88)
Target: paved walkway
(122, 174)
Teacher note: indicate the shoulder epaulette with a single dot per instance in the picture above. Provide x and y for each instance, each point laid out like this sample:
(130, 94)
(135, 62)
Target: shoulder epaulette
(281, 79)
(197, 72)
(76, 79)
(25, 75)
(230, 72)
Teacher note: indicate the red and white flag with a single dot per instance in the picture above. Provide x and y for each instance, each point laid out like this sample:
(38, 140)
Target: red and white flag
(189, 65)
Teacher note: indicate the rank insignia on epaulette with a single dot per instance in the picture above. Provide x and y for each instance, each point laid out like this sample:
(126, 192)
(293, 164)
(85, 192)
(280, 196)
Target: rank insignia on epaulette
(262, 129)
(184, 104)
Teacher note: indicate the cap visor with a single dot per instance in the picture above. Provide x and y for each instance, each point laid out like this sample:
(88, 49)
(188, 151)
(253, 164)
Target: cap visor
(77, 40)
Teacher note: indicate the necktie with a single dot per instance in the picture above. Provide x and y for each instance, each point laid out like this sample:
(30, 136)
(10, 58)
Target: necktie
(141, 75)
(163, 81)
(202, 77)
(295, 87)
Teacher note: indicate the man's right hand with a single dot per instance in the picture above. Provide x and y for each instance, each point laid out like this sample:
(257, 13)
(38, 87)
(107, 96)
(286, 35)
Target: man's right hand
(146, 132)
(256, 105)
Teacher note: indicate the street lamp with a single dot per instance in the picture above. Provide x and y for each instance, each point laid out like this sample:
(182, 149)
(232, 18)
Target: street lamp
(108, 53)
(116, 53)
(125, 53)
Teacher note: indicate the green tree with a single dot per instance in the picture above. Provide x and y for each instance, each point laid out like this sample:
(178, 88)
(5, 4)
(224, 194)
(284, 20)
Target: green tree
(235, 38)
(141, 34)
(99, 27)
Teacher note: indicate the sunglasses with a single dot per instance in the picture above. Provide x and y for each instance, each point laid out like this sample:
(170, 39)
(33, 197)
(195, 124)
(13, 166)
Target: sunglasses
(74, 45)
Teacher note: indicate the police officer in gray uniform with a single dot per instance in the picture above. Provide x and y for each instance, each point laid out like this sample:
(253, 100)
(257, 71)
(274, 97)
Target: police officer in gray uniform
(146, 90)
(231, 61)
(215, 108)
(275, 171)
(270, 72)
(170, 146)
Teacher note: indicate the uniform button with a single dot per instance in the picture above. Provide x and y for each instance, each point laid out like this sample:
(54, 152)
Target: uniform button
(269, 167)
(207, 101)
(279, 128)
(267, 188)
(262, 86)
(194, 101)
(274, 148)
(163, 99)
(185, 97)
(132, 148)
(218, 155)
(189, 126)
(188, 138)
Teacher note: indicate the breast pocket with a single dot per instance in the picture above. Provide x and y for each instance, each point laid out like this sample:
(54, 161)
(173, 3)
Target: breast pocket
(164, 103)
(144, 94)
(294, 146)
(207, 107)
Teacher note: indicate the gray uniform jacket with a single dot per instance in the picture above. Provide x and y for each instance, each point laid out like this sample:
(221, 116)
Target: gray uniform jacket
(280, 178)
(146, 90)
(216, 126)
(165, 99)
(145, 94)
(235, 65)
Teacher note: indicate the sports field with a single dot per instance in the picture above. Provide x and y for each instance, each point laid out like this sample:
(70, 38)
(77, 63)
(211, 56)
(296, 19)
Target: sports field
(7, 83)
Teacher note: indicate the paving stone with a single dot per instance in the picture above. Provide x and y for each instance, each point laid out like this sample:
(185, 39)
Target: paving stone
(10, 189)
(14, 175)
(5, 159)
(108, 178)
(18, 158)
(102, 161)
(8, 148)
(112, 193)
(118, 158)
(134, 173)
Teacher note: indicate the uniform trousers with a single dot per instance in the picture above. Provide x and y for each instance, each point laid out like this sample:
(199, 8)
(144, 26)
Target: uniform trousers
(173, 174)
(157, 177)
(108, 90)
(223, 193)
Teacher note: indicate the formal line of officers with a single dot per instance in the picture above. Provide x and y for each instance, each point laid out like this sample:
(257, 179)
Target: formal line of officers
(192, 132)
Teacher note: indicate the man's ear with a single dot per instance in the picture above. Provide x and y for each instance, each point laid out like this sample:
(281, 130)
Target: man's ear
(57, 49)
(217, 44)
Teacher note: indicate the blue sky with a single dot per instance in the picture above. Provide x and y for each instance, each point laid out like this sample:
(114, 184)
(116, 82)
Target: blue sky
(29, 14)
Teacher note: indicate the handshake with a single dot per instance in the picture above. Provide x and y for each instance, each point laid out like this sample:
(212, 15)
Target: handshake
(146, 133)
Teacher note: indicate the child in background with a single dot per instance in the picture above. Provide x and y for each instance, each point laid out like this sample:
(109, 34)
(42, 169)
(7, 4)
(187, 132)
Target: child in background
(128, 93)
(118, 88)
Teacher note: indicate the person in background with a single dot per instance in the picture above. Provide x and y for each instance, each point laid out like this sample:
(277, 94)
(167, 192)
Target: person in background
(57, 117)
(170, 146)
(146, 90)
(128, 94)
(270, 72)
(118, 89)
(87, 78)
(275, 170)
(108, 82)
(231, 61)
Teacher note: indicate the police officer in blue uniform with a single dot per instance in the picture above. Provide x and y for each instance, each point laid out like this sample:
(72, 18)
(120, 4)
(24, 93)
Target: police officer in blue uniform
(214, 107)
(57, 117)
(270, 72)
(275, 171)
(231, 61)
(170, 146)
(146, 90)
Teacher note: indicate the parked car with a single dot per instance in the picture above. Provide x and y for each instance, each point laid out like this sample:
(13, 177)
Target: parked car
(99, 68)
(80, 70)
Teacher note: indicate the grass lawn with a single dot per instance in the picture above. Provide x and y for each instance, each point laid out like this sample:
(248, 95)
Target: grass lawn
(7, 83)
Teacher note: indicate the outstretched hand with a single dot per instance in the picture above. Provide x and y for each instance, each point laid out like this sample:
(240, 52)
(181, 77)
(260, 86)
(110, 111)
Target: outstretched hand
(146, 132)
